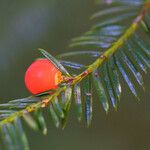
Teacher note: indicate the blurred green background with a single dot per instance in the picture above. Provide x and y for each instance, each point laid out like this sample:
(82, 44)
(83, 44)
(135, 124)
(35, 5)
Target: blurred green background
(50, 24)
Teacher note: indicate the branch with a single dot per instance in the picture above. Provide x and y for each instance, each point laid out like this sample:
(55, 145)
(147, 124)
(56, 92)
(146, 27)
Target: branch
(70, 81)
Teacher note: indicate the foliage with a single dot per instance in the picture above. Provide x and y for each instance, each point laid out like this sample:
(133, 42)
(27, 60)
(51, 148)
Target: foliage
(121, 54)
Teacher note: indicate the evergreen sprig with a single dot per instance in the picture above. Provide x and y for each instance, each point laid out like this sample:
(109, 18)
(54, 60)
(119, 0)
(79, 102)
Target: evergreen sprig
(120, 50)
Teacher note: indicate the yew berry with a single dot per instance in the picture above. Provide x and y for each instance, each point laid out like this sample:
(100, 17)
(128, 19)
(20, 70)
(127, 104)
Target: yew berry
(41, 76)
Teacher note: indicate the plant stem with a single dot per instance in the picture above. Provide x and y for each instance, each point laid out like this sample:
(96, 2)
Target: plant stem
(73, 80)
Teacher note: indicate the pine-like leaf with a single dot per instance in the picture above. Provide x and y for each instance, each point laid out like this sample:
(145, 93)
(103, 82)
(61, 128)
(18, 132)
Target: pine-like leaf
(78, 101)
(118, 50)
(88, 100)
(100, 91)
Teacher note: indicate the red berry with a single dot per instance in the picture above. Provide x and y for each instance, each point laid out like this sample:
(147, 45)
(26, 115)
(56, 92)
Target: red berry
(41, 76)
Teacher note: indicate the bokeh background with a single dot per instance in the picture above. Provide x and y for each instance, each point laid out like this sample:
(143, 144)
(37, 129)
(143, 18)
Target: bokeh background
(50, 24)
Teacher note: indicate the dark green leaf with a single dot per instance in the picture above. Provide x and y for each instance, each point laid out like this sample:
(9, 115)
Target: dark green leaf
(66, 113)
(114, 76)
(30, 121)
(57, 107)
(133, 68)
(88, 99)
(8, 142)
(55, 62)
(129, 3)
(78, 102)
(141, 54)
(66, 105)
(117, 9)
(100, 91)
(111, 31)
(97, 43)
(13, 135)
(135, 57)
(54, 116)
(30, 99)
(3, 116)
(7, 111)
(77, 53)
(141, 44)
(13, 105)
(62, 99)
(40, 121)
(68, 94)
(144, 58)
(115, 19)
(145, 26)
(99, 36)
(72, 64)
(109, 86)
(21, 136)
(125, 76)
